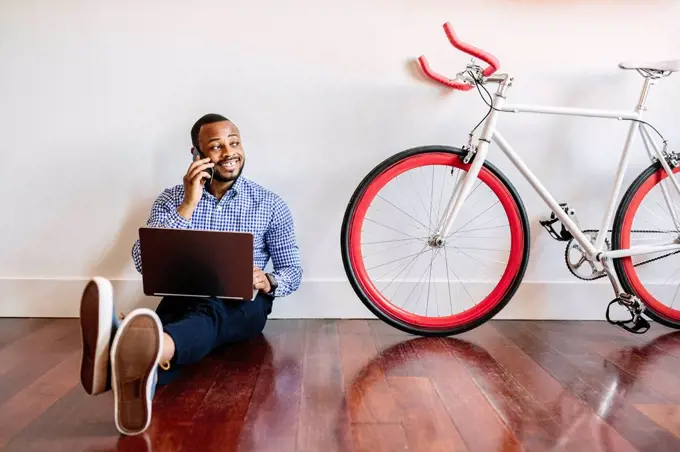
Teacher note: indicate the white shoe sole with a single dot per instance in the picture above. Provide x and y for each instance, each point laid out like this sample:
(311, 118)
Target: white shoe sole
(135, 353)
(96, 318)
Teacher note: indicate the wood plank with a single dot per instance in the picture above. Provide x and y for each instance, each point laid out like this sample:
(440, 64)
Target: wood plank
(177, 404)
(650, 365)
(668, 343)
(222, 413)
(15, 352)
(604, 388)
(28, 404)
(667, 416)
(369, 397)
(353, 327)
(41, 360)
(427, 424)
(530, 423)
(323, 422)
(379, 438)
(272, 419)
(13, 329)
(397, 356)
(575, 419)
(591, 374)
(379, 328)
(76, 422)
(465, 402)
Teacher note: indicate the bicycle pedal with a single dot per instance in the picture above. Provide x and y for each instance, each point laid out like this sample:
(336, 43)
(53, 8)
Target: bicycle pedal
(563, 235)
(639, 325)
(636, 324)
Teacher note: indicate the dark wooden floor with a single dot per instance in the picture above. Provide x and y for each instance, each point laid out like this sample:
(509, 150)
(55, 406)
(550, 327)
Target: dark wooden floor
(325, 386)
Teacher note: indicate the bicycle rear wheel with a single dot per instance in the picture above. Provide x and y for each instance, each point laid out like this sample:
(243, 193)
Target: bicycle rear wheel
(406, 279)
(644, 217)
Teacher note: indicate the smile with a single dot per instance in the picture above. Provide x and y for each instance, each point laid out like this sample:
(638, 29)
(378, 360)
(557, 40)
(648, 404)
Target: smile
(230, 164)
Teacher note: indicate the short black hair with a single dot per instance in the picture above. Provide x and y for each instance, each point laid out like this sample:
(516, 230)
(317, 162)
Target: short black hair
(205, 119)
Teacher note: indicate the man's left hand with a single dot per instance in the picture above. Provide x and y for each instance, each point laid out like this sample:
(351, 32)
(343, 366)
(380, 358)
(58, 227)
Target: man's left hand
(260, 281)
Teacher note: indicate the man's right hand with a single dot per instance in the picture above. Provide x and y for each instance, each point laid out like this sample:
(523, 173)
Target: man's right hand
(193, 186)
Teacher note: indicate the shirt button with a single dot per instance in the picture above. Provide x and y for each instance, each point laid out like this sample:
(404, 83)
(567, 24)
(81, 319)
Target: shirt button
(219, 207)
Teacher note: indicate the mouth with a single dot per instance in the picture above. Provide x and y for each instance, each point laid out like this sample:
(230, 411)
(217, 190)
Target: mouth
(230, 164)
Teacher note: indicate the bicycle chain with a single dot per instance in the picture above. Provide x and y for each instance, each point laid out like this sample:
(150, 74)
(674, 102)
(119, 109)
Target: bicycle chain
(571, 240)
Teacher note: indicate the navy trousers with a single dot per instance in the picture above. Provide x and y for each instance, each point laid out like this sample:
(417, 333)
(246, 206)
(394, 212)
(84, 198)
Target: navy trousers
(199, 325)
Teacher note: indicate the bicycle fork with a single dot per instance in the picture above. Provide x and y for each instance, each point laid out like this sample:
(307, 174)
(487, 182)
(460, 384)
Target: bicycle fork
(465, 183)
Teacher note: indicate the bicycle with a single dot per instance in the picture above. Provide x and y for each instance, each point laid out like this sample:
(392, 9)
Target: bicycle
(590, 253)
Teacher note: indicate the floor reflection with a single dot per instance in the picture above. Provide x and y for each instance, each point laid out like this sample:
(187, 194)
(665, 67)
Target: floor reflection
(588, 401)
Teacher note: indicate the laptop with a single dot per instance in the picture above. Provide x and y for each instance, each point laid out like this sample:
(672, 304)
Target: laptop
(197, 263)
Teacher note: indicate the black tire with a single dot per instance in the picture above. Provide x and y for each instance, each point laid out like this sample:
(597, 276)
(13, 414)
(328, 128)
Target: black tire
(624, 205)
(344, 240)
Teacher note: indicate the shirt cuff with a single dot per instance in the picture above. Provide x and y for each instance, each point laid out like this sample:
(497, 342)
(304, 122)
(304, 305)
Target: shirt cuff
(272, 291)
(177, 221)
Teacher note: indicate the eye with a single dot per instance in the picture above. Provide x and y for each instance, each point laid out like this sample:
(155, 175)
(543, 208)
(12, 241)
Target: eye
(235, 143)
(216, 147)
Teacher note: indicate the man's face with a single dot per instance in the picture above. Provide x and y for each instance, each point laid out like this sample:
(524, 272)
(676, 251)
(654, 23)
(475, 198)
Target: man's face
(221, 142)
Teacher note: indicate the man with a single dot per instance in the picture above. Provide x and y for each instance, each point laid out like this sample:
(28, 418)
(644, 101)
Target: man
(214, 195)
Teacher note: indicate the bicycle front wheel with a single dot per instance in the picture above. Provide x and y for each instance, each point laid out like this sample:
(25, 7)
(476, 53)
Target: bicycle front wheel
(431, 287)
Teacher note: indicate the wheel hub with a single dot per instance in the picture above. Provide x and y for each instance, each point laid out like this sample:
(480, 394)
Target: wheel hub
(436, 241)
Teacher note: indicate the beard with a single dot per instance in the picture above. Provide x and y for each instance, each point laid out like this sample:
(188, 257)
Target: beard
(223, 179)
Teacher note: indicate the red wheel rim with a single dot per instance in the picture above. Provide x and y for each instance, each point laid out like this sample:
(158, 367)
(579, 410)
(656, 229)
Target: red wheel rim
(517, 243)
(627, 262)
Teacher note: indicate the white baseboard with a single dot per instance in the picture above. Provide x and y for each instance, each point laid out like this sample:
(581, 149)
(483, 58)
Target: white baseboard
(570, 300)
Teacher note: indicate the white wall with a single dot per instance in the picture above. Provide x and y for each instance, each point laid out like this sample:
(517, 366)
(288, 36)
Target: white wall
(97, 98)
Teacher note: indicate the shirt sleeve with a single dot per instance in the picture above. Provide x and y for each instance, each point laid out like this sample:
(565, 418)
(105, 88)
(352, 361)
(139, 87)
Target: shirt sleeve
(284, 251)
(163, 215)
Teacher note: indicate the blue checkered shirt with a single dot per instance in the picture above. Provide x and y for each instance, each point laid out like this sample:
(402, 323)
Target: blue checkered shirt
(246, 207)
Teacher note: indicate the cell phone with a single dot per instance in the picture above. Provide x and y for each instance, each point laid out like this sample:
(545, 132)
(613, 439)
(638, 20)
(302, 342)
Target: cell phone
(196, 153)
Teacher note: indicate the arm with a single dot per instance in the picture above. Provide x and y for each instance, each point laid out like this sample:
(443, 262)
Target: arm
(164, 214)
(283, 249)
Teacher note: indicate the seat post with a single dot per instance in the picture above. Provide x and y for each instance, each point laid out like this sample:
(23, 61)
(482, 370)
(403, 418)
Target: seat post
(643, 95)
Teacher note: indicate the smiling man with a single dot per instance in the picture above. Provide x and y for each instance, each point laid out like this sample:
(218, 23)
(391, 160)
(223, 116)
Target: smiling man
(214, 195)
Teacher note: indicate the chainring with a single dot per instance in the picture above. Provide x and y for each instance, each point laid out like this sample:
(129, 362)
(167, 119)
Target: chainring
(578, 264)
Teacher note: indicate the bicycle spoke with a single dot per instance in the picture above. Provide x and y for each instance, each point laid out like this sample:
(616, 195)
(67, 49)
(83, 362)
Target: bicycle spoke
(395, 240)
(463, 285)
(483, 212)
(375, 253)
(448, 280)
(406, 196)
(482, 229)
(431, 197)
(420, 197)
(389, 188)
(406, 266)
(388, 227)
(650, 211)
(675, 295)
(414, 287)
(392, 262)
(414, 219)
(441, 196)
(470, 257)
(427, 303)
(476, 248)
(405, 277)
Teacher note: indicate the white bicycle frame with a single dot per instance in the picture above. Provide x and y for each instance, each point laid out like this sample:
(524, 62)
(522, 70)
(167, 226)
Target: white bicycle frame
(596, 251)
